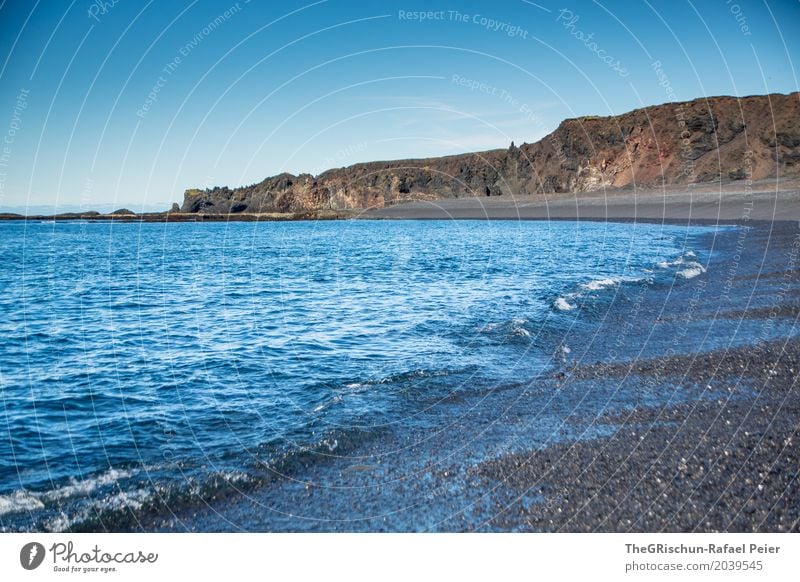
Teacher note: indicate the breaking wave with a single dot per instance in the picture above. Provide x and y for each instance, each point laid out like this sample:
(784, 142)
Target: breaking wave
(684, 266)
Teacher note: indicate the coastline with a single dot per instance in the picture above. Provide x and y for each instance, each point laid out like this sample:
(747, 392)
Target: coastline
(761, 200)
(724, 463)
(159, 217)
(711, 445)
(710, 363)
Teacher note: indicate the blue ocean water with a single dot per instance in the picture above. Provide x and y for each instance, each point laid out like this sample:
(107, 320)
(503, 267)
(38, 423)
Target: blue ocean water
(143, 358)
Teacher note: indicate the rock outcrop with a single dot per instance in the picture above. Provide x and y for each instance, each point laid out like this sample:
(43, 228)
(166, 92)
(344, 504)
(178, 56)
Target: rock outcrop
(706, 140)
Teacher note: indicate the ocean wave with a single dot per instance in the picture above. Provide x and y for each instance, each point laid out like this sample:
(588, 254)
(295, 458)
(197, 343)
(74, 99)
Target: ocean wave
(25, 500)
(330, 402)
(403, 377)
(563, 305)
(692, 270)
(521, 332)
(19, 501)
(571, 301)
(599, 284)
(518, 327)
(684, 266)
(86, 486)
(688, 267)
(128, 509)
(509, 330)
(124, 509)
(115, 505)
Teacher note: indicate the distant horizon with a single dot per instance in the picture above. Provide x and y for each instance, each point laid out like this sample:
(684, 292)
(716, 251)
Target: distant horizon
(102, 208)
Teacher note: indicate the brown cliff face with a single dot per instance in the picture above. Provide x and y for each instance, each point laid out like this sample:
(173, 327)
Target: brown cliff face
(719, 138)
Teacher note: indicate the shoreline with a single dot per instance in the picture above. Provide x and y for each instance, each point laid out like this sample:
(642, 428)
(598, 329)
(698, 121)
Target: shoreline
(685, 388)
(728, 462)
(712, 444)
(763, 200)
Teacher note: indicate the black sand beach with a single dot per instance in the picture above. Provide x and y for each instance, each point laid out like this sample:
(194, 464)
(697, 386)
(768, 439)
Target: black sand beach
(733, 201)
(727, 465)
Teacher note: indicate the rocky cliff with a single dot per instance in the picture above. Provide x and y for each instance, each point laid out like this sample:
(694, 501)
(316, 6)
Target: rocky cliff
(718, 138)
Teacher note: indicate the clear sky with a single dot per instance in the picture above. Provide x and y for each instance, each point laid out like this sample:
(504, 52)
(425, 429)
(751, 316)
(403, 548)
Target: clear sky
(128, 103)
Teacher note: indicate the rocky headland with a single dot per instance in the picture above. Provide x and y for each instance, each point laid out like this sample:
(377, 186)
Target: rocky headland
(705, 141)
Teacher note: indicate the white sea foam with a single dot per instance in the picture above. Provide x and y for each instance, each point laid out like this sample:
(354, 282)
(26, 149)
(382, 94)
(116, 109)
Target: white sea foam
(23, 500)
(667, 264)
(692, 270)
(19, 501)
(563, 305)
(86, 486)
(236, 477)
(599, 284)
(132, 500)
(126, 500)
(690, 267)
(58, 524)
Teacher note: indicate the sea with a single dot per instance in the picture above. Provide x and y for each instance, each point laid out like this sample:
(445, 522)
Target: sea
(145, 365)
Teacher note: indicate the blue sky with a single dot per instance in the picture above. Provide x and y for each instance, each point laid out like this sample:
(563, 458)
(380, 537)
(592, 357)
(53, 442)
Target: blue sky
(128, 103)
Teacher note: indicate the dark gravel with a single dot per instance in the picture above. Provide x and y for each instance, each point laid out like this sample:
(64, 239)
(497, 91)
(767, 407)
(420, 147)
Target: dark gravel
(726, 465)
